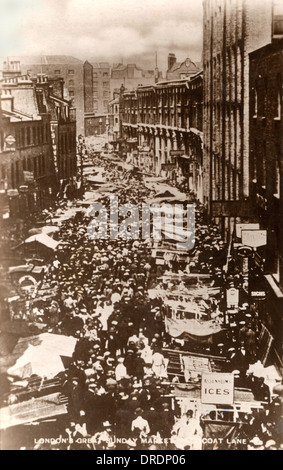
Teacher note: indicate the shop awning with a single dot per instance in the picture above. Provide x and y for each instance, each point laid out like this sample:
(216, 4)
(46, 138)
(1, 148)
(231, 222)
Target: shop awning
(32, 410)
(41, 238)
(195, 329)
(46, 229)
(41, 355)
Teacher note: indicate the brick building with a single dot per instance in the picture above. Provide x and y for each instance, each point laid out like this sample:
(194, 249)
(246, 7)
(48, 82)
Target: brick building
(114, 120)
(96, 96)
(131, 76)
(67, 67)
(62, 124)
(38, 138)
(26, 153)
(266, 167)
(162, 128)
(177, 70)
(231, 29)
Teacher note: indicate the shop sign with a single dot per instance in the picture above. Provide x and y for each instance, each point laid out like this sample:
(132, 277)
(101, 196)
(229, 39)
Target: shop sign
(254, 238)
(240, 227)
(176, 153)
(232, 297)
(28, 177)
(217, 388)
(28, 283)
(245, 251)
(10, 141)
(12, 192)
(258, 293)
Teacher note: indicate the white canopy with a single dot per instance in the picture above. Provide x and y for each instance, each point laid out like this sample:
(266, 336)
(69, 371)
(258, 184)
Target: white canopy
(44, 239)
(41, 355)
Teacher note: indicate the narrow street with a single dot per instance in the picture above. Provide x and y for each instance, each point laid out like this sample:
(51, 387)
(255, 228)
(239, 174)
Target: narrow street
(114, 333)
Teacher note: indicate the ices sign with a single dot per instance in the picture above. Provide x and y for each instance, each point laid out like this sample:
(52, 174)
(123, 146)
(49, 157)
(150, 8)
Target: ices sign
(217, 388)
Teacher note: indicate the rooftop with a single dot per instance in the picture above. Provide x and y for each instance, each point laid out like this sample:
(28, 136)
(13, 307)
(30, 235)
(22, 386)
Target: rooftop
(43, 60)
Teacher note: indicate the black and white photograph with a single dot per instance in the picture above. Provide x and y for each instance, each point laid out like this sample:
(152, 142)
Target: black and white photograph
(141, 268)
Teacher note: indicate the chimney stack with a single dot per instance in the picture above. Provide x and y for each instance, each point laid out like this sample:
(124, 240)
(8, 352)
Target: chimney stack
(171, 60)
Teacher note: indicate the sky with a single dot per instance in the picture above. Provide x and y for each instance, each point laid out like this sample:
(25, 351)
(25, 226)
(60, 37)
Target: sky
(103, 30)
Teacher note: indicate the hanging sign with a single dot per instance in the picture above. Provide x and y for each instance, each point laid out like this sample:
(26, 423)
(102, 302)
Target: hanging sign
(254, 238)
(232, 297)
(217, 388)
(240, 227)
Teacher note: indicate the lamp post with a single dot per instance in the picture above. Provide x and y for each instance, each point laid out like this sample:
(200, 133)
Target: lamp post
(81, 152)
(100, 125)
(107, 132)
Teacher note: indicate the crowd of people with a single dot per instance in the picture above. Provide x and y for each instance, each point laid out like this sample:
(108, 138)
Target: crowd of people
(117, 383)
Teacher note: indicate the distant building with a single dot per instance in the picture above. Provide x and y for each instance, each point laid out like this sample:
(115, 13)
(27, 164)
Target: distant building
(96, 96)
(114, 121)
(101, 87)
(162, 130)
(62, 124)
(37, 140)
(178, 70)
(130, 76)
(67, 67)
(27, 172)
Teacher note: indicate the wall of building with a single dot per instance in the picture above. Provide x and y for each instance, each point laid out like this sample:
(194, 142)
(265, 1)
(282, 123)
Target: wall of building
(162, 130)
(101, 88)
(228, 38)
(88, 87)
(73, 76)
(266, 149)
(37, 140)
(130, 76)
(181, 69)
(27, 176)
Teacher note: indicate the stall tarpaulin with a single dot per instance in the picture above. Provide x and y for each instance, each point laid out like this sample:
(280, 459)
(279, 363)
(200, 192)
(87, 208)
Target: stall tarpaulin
(41, 355)
(41, 238)
(220, 434)
(197, 330)
(32, 410)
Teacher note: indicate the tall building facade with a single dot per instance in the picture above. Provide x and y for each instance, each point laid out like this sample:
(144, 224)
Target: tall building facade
(266, 173)
(27, 170)
(66, 67)
(37, 138)
(162, 130)
(96, 97)
(101, 87)
(232, 29)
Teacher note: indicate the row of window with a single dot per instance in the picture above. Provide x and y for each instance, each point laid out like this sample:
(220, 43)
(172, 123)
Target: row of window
(67, 167)
(105, 94)
(95, 74)
(36, 164)
(105, 84)
(95, 104)
(35, 135)
(58, 72)
(67, 142)
(267, 96)
(261, 163)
